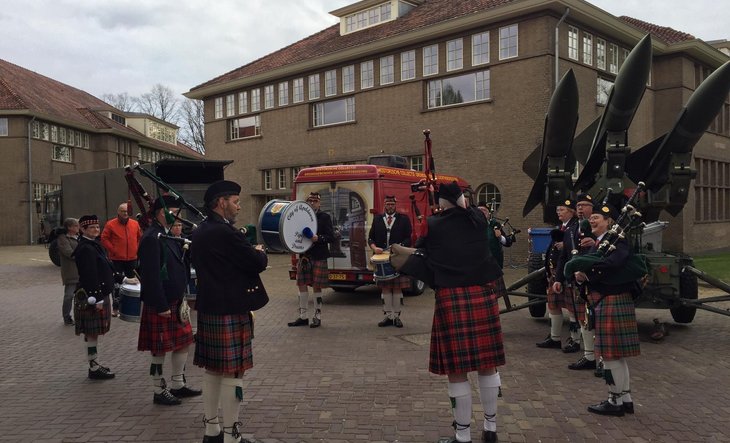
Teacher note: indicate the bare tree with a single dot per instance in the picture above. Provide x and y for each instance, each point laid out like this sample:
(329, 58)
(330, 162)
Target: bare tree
(121, 101)
(160, 102)
(192, 124)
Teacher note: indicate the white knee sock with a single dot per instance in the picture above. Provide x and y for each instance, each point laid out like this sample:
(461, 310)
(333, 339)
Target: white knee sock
(178, 359)
(625, 387)
(460, 394)
(488, 392)
(618, 375)
(156, 363)
(556, 324)
(397, 302)
(231, 397)
(211, 397)
(303, 303)
(587, 344)
(387, 302)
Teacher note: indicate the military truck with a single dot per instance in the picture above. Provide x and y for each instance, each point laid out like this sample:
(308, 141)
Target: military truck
(100, 192)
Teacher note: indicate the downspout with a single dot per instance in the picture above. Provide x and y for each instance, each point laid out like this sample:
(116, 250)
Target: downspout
(30, 185)
(557, 45)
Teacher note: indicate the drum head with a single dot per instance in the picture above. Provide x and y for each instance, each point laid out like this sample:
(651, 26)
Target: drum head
(130, 289)
(288, 218)
(380, 258)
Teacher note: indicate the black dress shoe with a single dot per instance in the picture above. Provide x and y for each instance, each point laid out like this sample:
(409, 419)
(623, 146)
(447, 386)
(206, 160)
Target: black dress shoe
(101, 373)
(489, 436)
(549, 343)
(628, 407)
(185, 392)
(397, 322)
(607, 408)
(450, 440)
(387, 321)
(165, 398)
(299, 322)
(583, 363)
(316, 322)
(68, 321)
(213, 438)
(571, 347)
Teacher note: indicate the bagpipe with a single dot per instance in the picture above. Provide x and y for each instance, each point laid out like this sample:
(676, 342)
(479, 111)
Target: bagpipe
(146, 203)
(635, 268)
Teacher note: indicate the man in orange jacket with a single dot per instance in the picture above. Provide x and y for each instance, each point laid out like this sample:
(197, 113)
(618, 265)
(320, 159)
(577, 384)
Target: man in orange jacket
(120, 238)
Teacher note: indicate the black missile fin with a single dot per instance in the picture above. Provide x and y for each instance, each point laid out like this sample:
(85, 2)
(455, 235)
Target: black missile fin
(582, 142)
(531, 165)
(637, 163)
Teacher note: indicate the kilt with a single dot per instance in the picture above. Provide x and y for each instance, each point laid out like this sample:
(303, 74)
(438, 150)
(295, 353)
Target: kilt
(466, 334)
(223, 343)
(312, 273)
(401, 282)
(580, 305)
(93, 321)
(617, 335)
(163, 334)
(555, 300)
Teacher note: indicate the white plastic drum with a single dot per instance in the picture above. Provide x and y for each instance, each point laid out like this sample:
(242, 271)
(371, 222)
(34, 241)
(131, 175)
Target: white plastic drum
(282, 223)
(130, 305)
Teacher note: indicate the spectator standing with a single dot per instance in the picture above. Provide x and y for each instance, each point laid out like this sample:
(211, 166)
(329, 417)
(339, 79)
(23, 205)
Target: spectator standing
(121, 238)
(67, 244)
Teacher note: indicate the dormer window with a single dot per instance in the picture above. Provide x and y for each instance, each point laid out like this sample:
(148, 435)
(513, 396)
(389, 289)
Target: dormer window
(368, 13)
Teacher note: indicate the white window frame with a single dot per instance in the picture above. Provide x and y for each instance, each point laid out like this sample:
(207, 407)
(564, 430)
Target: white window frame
(506, 48)
(318, 112)
(62, 153)
(62, 135)
(235, 126)
(330, 83)
(54, 134)
(243, 102)
(600, 53)
(481, 85)
(430, 60)
(45, 131)
(255, 100)
(218, 107)
(387, 70)
(416, 162)
(268, 96)
(613, 58)
(283, 93)
(408, 65)
(314, 88)
(587, 49)
(367, 75)
(573, 42)
(4, 127)
(230, 105)
(480, 48)
(281, 178)
(454, 54)
(298, 90)
(348, 79)
(267, 180)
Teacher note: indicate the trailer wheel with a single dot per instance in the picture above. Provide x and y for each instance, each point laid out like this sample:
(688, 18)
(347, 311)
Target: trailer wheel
(417, 288)
(687, 289)
(53, 253)
(537, 286)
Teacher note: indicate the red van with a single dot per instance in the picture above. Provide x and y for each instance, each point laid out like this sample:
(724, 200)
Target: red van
(352, 195)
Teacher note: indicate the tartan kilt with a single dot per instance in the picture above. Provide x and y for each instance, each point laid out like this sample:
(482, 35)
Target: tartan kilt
(223, 343)
(466, 334)
(163, 334)
(580, 305)
(400, 282)
(617, 335)
(93, 321)
(314, 273)
(555, 300)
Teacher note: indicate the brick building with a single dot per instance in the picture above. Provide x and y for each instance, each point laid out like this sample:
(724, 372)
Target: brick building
(478, 74)
(48, 129)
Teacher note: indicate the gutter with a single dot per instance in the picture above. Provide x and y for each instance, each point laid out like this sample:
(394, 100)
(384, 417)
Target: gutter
(30, 184)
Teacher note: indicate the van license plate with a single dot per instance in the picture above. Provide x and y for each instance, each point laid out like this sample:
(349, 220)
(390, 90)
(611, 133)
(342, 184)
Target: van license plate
(338, 276)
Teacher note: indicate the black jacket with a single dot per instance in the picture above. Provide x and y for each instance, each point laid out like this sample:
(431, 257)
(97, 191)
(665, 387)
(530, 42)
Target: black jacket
(159, 290)
(325, 235)
(571, 241)
(457, 249)
(400, 231)
(227, 267)
(609, 264)
(552, 255)
(96, 271)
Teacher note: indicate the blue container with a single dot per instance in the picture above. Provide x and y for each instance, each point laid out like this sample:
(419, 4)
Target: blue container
(539, 239)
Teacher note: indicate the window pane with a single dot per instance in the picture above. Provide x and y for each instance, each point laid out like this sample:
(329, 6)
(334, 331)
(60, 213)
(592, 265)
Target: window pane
(454, 54)
(480, 48)
(408, 65)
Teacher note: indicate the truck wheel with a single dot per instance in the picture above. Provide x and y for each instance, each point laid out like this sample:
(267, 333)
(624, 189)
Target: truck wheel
(687, 289)
(417, 288)
(53, 253)
(537, 286)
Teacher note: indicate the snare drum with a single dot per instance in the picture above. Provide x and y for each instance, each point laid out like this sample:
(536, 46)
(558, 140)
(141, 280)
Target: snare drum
(191, 292)
(383, 269)
(130, 305)
(281, 225)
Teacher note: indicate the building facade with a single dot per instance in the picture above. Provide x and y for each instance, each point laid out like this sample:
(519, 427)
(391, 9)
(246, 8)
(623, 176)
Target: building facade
(479, 74)
(48, 129)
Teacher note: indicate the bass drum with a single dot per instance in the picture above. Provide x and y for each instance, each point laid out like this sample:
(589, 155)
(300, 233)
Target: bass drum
(282, 226)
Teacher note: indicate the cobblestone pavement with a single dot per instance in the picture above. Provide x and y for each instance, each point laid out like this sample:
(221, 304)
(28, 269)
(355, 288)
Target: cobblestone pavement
(348, 381)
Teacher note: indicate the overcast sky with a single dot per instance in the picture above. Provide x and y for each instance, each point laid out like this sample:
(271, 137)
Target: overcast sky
(115, 46)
